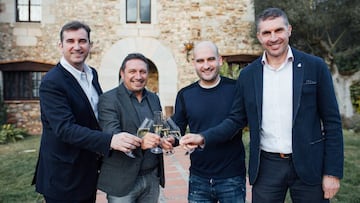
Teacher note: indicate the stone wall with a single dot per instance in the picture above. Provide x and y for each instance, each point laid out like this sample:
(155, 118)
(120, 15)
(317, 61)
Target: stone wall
(227, 23)
(25, 114)
(174, 22)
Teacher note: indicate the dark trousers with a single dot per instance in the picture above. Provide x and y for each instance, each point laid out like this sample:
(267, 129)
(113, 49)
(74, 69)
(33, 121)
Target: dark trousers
(277, 175)
(90, 200)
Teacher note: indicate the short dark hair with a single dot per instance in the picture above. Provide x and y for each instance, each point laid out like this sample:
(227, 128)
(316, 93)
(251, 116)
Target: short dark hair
(74, 25)
(271, 13)
(134, 56)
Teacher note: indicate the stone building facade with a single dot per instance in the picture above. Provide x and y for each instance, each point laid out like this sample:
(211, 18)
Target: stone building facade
(173, 23)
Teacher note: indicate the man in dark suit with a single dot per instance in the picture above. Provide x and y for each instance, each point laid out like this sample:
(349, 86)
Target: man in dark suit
(72, 142)
(287, 99)
(131, 179)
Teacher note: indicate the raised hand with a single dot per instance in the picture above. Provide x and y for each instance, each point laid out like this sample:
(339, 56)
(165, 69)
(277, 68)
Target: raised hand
(125, 142)
(191, 141)
(150, 140)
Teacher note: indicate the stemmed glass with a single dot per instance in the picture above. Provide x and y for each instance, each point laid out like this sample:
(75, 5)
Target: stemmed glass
(175, 132)
(158, 125)
(144, 127)
(166, 134)
(142, 130)
(130, 154)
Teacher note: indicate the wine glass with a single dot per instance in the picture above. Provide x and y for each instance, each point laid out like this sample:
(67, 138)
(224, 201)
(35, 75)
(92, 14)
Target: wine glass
(166, 134)
(142, 130)
(130, 154)
(144, 127)
(175, 132)
(158, 125)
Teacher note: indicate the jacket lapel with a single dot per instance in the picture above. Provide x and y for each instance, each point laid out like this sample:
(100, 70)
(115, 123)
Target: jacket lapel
(124, 98)
(95, 82)
(258, 86)
(298, 74)
(70, 79)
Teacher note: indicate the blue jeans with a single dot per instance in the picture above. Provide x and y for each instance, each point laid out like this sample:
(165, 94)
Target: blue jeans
(146, 190)
(228, 190)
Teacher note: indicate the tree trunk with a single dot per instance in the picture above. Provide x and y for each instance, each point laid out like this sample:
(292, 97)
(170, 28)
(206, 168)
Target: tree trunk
(342, 90)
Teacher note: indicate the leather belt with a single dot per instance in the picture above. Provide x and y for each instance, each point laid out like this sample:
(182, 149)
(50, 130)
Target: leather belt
(281, 155)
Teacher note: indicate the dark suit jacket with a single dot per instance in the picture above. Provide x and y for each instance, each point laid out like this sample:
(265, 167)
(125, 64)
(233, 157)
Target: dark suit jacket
(117, 114)
(317, 140)
(67, 167)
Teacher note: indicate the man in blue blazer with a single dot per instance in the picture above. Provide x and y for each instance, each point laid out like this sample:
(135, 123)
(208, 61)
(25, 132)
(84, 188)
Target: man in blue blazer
(72, 142)
(287, 99)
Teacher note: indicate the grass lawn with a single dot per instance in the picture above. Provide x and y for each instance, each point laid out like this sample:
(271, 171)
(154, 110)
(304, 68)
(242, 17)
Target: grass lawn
(350, 185)
(17, 163)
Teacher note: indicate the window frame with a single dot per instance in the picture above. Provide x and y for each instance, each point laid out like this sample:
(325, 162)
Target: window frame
(138, 13)
(29, 5)
(22, 85)
(19, 77)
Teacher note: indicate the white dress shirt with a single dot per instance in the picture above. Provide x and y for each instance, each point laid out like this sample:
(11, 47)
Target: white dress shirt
(84, 78)
(276, 133)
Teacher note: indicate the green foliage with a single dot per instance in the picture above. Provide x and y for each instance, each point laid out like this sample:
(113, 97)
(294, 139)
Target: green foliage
(355, 96)
(348, 62)
(357, 104)
(232, 71)
(9, 133)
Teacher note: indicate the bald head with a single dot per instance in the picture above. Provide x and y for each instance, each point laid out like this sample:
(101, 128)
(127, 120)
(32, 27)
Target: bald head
(205, 45)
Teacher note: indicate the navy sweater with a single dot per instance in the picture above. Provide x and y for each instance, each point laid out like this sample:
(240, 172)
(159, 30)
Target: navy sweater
(200, 109)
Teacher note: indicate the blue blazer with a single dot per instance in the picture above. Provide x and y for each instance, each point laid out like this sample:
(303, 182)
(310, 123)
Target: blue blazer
(71, 141)
(317, 140)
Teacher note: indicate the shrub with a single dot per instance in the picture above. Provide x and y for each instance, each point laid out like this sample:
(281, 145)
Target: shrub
(355, 96)
(231, 71)
(9, 133)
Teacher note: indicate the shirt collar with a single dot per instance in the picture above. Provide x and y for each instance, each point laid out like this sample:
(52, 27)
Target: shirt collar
(290, 56)
(211, 86)
(75, 72)
(131, 94)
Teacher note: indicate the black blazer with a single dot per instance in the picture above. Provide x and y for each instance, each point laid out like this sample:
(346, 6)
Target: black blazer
(317, 139)
(67, 167)
(117, 114)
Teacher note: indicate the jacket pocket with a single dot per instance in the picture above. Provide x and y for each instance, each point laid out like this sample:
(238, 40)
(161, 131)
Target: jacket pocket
(318, 140)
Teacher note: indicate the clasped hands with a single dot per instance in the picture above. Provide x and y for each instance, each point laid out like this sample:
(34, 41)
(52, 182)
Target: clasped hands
(127, 142)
